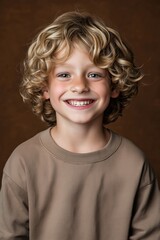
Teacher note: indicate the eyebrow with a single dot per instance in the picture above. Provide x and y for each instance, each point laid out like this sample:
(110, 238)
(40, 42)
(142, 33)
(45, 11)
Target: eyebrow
(70, 65)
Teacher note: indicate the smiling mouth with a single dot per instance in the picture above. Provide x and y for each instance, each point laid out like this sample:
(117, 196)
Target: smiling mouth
(80, 103)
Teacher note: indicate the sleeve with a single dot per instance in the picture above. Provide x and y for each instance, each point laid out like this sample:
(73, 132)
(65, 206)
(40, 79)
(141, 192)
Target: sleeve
(14, 223)
(146, 211)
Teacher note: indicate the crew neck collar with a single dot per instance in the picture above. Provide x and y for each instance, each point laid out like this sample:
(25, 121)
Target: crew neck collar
(80, 158)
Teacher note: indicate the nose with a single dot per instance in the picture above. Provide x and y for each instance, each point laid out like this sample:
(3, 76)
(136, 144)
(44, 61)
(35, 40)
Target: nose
(79, 85)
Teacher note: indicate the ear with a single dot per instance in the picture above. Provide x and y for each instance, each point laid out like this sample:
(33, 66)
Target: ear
(114, 93)
(46, 94)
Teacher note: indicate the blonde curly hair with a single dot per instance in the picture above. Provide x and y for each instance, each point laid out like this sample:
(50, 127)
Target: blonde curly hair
(107, 51)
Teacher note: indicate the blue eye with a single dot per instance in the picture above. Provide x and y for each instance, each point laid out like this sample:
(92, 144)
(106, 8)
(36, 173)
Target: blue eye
(95, 75)
(63, 75)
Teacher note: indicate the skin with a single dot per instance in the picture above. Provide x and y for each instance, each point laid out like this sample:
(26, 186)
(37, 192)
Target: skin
(79, 92)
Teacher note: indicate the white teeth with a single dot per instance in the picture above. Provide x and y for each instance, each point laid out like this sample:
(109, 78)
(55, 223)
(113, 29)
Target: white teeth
(79, 103)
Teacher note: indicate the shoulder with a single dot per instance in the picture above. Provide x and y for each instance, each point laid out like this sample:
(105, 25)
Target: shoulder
(133, 161)
(24, 156)
(129, 150)
(32, 144)
(29, 147)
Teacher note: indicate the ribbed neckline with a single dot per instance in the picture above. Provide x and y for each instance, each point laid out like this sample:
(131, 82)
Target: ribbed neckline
(80, 158)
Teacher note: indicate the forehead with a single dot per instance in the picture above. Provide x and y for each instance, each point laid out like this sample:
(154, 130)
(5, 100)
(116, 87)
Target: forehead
(78, 58)
(67, 49)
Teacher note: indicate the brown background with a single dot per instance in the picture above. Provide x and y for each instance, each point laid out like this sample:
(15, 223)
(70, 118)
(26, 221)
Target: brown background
(137, 21)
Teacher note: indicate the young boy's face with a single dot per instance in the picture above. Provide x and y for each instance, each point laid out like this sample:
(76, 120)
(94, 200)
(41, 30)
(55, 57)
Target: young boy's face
(78, 90)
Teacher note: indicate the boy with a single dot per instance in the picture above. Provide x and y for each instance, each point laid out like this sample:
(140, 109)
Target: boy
(78, 180)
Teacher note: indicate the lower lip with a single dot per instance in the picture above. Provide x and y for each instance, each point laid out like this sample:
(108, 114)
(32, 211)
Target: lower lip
(80, 107)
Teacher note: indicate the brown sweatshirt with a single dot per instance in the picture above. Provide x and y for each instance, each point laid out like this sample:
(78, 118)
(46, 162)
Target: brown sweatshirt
(49, 193)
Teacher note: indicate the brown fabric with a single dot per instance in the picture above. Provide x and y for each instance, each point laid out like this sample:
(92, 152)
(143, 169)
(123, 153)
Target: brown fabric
(49, 193)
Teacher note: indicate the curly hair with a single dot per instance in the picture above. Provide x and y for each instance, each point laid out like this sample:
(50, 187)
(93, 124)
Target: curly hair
(106, 49)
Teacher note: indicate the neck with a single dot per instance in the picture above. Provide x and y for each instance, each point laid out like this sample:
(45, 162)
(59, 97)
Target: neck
(80, 138)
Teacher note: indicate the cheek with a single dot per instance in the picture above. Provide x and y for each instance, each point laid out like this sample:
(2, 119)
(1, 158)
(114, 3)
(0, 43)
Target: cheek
(55, 92)
(104, 90)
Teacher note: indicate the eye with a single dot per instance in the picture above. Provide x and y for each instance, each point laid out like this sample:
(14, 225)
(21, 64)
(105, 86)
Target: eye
(63, 75)
(95, 75)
